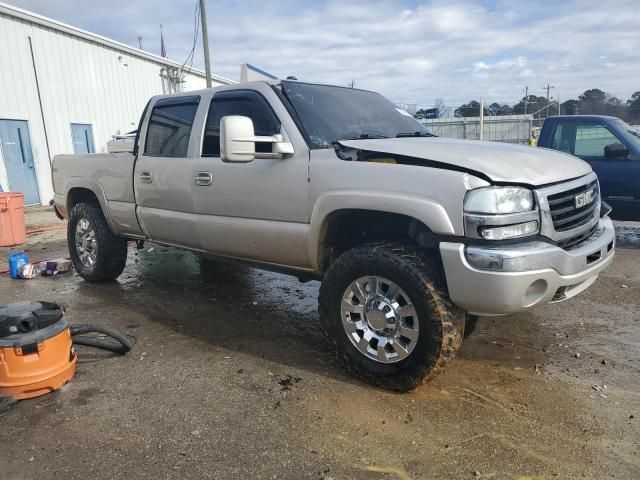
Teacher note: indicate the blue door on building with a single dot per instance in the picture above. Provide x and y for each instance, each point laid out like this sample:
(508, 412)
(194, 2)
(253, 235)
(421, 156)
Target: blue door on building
(18, 159)
(82, 136)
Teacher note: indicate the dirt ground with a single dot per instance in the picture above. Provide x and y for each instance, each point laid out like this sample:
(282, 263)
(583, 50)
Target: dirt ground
(231, 379)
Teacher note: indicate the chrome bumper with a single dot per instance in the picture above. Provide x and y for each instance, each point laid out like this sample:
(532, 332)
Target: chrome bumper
(487, 280)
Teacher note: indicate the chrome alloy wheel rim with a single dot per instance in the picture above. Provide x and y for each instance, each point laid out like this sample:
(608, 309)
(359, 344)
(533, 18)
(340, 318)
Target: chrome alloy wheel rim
(379, 319)
(86, 244)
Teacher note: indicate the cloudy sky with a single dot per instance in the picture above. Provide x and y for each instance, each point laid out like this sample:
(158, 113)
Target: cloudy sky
(412, 51)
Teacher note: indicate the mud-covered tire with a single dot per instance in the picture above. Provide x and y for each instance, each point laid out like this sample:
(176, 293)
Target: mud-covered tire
(441, 323)
(111, 250)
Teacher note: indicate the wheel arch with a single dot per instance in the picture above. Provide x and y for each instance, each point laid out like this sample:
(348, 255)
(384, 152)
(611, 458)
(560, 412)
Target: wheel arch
(82, 193)
(339, 215)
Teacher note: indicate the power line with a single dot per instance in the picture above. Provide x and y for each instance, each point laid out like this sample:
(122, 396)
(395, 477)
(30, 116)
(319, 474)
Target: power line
(548, 88)
(196, 30)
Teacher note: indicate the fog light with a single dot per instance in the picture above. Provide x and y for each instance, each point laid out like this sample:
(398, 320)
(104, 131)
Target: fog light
(509, 231)
(536, 291)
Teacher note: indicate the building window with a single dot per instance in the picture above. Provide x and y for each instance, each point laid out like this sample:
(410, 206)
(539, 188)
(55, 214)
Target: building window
(82, 138)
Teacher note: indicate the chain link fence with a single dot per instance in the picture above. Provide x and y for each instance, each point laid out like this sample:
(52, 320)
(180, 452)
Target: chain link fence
(441, 121)
(503, 128)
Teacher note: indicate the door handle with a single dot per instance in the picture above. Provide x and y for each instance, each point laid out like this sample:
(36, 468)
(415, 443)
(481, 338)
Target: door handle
(203, 179)
(146, 177)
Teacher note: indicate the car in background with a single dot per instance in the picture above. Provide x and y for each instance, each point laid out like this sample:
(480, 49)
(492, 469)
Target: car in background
(610, 146)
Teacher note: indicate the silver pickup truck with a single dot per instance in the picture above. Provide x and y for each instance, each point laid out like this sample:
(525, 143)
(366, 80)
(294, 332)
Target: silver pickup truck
(407, 232)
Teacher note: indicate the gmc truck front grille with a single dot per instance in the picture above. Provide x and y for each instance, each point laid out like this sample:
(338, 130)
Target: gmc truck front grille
(565, 211)
(573, 241)
(570, 211)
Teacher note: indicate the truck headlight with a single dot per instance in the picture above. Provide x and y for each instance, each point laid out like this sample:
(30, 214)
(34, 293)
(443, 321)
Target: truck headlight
(499, 200)
(500, 213)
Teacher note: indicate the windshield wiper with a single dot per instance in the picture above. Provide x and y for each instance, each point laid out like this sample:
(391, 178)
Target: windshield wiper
(414, 134)
(365, 136)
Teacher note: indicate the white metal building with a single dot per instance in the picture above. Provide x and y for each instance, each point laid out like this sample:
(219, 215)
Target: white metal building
(66, 90)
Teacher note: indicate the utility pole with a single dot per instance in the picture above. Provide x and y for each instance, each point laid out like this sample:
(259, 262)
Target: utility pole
(140, 42)
(559, 104)
(548, 88)
(352, 84)
(481, 120)
(526, 98)
(205, 42)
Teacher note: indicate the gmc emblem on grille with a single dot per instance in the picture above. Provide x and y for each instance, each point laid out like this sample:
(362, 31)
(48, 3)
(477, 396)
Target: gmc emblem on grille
(584, 199)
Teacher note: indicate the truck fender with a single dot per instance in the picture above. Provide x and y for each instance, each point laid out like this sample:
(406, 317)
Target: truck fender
(97, 191)
(424, 209)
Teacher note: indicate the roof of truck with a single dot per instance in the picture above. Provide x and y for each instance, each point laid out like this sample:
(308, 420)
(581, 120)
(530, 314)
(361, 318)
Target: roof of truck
(231, 86)
(583, 117)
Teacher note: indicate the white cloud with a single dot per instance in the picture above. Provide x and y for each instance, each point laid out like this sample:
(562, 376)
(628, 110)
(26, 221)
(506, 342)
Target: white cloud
(412, 51)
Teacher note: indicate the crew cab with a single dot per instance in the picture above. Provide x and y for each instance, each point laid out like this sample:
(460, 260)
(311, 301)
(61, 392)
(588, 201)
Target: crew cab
(611, 147)
(407, 232)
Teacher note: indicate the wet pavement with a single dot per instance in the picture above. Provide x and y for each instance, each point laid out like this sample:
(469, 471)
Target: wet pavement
(231, 378)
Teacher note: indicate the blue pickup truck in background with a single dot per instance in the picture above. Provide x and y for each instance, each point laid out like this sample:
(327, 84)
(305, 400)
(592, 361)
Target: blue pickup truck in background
(610, 146)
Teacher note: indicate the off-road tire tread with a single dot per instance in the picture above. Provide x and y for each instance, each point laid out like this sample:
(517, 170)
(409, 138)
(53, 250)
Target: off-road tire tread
(112, 249)
(424, 271)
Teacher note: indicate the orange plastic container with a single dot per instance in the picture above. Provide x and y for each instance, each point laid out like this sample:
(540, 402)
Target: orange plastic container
(12, 227)
(38, 368)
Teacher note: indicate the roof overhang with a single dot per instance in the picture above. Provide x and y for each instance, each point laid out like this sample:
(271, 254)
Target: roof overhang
(31, 17)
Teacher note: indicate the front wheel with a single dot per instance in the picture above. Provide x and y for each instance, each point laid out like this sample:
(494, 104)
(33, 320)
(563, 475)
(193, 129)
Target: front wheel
(97, 254)
(385, 309)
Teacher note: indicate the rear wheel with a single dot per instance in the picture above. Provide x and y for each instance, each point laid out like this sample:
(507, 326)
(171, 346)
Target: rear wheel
(385, 309)
(97, 254)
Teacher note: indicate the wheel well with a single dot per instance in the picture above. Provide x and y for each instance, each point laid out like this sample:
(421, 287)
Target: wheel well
(346, 229)
(77, 195)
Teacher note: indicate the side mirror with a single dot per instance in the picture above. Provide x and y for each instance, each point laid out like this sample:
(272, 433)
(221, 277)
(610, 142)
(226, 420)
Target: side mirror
(616, 150)
(238, 141)
(236, 134)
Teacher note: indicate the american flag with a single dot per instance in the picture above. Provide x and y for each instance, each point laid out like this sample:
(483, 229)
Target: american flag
(163, 50)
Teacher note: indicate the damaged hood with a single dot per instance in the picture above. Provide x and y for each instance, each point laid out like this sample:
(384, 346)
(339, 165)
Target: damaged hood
(500, 162)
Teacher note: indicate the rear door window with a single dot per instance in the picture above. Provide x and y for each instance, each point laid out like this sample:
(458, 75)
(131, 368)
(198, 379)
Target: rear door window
(246, 103)
(170, 127)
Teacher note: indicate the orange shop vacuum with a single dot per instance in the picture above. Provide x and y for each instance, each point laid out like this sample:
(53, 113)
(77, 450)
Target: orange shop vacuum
(37, 354)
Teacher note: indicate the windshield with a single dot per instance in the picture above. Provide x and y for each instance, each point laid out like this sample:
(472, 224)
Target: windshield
(332, 113)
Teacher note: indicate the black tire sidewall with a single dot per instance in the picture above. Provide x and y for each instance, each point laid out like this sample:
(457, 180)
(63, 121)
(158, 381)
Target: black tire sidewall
(111, 249)
(406, 373)
(78, 213)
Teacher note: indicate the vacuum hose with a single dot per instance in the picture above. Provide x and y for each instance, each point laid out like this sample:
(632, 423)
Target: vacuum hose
(120, 343)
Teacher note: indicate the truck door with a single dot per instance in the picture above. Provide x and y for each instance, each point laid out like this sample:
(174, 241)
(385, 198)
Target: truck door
(162, 174)
(587, 139)
(255, 210)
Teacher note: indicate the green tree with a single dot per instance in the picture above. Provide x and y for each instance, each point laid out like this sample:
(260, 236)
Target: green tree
(633, 107)
(570, 107)
(592, 102)
(534, 104)
(471, 109)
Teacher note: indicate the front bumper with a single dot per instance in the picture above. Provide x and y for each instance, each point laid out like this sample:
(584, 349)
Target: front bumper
(486, 280)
